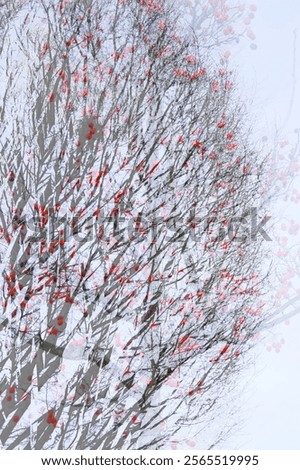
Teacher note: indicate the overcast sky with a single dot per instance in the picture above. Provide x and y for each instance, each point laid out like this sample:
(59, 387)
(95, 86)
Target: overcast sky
(271, 408)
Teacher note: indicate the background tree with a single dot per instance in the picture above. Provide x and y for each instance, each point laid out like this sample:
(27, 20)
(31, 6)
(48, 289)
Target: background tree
(128, 239)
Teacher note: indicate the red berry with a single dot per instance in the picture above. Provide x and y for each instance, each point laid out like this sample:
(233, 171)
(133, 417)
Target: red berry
(51, 418)
(11, 176)
(12, 291)
(53, 331)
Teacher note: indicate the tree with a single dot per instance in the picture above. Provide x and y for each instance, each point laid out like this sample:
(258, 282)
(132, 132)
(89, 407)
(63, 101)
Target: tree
(129, 182)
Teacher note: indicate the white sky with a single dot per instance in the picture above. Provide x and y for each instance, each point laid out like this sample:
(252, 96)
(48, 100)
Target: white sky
(271, 410)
